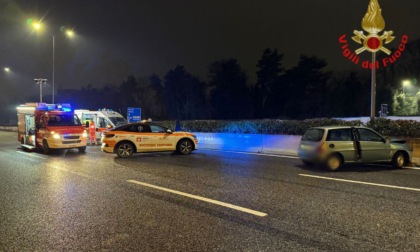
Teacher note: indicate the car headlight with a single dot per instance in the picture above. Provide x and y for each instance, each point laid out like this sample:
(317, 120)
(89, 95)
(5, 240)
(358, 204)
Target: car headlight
(56, 136)
(84, 134)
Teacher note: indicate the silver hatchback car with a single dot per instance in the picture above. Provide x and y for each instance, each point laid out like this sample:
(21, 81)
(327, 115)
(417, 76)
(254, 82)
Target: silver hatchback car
(333, 146)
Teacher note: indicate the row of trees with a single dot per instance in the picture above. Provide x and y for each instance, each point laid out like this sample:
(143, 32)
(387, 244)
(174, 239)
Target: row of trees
(306, 90)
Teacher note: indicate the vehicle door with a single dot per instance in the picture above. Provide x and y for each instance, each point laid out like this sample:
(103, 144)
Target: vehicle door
(102, 125)
(143, 137)
(162, 139)
(41, 129)
(340, 140)
(373, 146)
(87, 118)
(30, 130)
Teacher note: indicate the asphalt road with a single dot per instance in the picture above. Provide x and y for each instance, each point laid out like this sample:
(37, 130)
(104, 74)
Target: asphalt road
(206, 201)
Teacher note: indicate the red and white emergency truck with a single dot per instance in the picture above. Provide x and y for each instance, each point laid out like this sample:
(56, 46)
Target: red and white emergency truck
(104, 119)
(50, 126)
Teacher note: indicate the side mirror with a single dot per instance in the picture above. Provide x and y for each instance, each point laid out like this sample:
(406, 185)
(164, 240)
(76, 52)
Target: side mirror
(169, 131)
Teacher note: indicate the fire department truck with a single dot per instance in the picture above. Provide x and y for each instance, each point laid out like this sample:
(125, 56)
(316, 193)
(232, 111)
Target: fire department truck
(50, 126)
(104, 119)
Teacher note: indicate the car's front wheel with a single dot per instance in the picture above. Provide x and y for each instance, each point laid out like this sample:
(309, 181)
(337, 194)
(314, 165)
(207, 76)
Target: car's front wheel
(184, 147)
(82, 149)
(125, 150)
(398, 161)
(333, 162)
(45, 147)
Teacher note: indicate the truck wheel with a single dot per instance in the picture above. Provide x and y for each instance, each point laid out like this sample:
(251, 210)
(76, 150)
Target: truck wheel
(45, 147)
(82, 149)
(398, 161)
(184, 147)
(125, 150)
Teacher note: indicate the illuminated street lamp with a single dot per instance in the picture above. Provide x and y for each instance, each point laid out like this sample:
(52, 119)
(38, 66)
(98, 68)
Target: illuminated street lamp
(6, 69)
(69, 33)
(405, 83)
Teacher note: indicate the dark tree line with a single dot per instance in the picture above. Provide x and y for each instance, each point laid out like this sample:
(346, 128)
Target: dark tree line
(306, 90)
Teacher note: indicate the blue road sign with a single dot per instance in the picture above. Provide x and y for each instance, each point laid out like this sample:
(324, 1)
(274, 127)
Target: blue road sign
(134, 115)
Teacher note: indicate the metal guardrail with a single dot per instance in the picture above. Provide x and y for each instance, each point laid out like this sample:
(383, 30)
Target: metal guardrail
(9, 128)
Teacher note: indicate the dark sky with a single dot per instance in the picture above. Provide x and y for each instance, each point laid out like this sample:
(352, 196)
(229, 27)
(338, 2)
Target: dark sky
(122, 37)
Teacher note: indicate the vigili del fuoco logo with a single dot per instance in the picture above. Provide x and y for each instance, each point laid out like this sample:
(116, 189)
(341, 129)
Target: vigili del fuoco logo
(373, 41)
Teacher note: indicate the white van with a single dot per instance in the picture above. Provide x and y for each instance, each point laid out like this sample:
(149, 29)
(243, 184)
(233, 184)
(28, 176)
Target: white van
(104, 119)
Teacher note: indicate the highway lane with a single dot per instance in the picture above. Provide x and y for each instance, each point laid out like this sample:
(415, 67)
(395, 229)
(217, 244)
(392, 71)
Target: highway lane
(207, 201)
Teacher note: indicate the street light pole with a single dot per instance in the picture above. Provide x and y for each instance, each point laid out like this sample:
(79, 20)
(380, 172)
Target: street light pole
(373, 87)
(53, 73)
(68, 33)
(40, 82)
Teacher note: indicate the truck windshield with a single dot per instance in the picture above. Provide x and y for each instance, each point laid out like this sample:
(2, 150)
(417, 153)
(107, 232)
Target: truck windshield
(117, 121)
(63, 120)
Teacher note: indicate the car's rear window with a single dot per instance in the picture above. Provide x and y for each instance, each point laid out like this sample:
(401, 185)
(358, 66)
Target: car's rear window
(313, 135)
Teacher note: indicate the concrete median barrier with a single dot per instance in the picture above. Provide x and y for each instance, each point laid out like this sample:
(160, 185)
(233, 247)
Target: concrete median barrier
(257, 143)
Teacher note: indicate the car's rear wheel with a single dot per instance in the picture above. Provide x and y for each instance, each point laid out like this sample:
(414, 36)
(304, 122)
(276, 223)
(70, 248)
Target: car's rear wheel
(125, 150)
(184, 147)
(333, 162)
(398, 161)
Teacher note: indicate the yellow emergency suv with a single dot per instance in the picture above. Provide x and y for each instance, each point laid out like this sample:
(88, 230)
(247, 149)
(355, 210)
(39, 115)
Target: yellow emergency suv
(146, 137)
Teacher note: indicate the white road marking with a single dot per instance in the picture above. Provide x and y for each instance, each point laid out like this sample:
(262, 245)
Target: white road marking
(411, 168)
(405, 167)
(361, 182)
(216, 202)
(31, 154)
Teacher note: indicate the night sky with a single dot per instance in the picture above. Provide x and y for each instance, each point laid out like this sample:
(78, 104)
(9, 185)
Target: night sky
(119, 38)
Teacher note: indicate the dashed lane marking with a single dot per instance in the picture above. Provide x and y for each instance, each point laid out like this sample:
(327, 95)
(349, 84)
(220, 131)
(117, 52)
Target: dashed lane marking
(361, 182)
(216, 202)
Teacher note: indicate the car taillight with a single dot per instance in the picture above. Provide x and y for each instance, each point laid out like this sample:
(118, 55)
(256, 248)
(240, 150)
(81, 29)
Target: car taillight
(321, 148)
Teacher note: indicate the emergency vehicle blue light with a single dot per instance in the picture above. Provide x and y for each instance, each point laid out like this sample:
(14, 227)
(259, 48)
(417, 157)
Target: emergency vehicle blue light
(66, 109)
